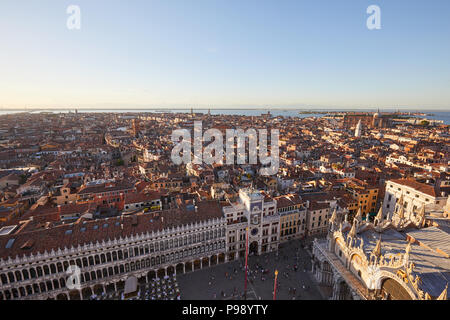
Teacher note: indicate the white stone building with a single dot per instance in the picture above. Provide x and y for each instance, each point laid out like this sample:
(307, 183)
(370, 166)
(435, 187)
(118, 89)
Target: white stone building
(394, 258)
(411, 196)
(258, 213)
(33, 264)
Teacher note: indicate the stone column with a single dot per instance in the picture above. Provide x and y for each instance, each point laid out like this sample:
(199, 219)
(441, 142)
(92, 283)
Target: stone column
(336, 287)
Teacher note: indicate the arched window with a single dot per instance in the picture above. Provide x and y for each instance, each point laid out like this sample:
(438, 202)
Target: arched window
(4, 278)
(46, 270)
(18, 276)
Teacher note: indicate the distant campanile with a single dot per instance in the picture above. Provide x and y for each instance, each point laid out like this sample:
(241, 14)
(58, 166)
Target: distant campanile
(358, 129)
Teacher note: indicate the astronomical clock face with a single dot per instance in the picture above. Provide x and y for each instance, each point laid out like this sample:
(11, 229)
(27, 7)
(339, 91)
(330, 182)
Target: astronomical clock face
(255, 211)
(255, 218)
(254, 231)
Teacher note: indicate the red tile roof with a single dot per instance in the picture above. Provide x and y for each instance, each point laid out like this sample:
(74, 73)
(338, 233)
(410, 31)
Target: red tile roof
(422, 187)
(56, 237)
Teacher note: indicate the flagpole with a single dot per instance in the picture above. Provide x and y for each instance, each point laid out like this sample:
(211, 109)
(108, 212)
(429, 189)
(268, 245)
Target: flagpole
(246, 264)
(275, 286)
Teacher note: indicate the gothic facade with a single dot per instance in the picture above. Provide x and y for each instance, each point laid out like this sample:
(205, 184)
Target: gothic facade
(380, 260)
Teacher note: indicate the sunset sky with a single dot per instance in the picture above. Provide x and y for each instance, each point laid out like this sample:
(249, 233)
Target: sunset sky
(233, 53)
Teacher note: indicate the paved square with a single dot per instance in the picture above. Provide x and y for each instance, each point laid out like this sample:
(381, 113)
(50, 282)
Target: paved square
(226, 281)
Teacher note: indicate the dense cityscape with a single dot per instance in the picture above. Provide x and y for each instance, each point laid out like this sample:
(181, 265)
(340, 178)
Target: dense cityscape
(93, 207)
(217, 159)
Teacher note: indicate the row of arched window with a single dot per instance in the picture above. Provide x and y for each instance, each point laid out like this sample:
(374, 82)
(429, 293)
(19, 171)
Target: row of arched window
(99, 259)
(106, 272)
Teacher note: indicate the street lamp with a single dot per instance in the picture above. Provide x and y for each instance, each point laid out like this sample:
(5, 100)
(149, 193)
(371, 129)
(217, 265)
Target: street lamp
(246, 265)
(275, 286)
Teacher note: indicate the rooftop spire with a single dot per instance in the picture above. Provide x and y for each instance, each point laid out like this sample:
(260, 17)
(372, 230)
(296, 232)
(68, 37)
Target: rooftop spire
(334, 216)
(400, 201)
(422, 211)
(408, 249)
(443, 295)
(358, 216)
(401, 212)
(377, 250)
(379, 216)
(352, 232)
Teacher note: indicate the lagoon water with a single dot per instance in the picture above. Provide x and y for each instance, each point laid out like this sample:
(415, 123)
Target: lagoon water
(436, 115)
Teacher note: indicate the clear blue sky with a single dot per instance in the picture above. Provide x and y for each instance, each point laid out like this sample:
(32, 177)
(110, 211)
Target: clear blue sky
(225, 53)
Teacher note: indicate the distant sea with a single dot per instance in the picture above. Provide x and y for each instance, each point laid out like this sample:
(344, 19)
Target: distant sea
(436, 115)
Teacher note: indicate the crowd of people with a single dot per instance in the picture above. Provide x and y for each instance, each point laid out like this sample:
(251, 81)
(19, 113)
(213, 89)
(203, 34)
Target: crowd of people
(261, 271)
(160, 289)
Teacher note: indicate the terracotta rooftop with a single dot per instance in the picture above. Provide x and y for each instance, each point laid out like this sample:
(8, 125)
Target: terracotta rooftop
(69, 235)
(422, 187)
